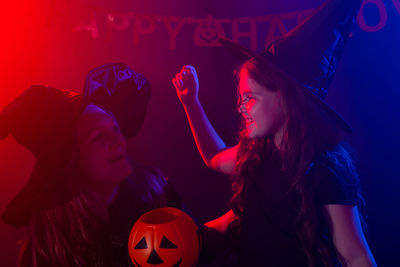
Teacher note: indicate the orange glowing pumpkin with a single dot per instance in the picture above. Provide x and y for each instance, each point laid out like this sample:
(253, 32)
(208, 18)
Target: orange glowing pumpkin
(164, 237)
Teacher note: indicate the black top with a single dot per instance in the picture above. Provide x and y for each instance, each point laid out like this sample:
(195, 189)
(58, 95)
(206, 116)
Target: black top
(145, 189)
(268, 224)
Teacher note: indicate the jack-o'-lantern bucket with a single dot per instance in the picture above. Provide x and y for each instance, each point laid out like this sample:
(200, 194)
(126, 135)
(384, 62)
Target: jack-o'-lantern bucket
(165, 237)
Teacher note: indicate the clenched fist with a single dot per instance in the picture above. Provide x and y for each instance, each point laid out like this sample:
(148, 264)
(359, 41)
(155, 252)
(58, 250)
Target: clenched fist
(186, 84)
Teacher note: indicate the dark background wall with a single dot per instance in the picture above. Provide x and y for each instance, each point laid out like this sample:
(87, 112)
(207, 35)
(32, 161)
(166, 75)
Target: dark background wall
(38, 46)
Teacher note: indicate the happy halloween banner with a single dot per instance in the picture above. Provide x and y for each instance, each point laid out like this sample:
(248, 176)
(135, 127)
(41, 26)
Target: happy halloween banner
(101, 23)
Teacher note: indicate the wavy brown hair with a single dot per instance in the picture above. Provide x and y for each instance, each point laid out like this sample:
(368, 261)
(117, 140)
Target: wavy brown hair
(68, 233)
(309, 132)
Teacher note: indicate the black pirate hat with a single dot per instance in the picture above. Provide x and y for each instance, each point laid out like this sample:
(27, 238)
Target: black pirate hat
(42, 119)
(310, 52)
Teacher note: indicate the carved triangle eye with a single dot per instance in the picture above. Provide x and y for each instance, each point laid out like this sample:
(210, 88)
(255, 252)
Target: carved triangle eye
(166, 243)
(178, 263)
(142, 244)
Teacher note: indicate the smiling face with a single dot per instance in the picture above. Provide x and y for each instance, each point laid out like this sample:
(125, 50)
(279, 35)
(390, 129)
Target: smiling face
(261, 108)
(102, 148)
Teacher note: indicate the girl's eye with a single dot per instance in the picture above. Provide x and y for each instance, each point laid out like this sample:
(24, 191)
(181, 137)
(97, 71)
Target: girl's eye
(97, 137)
(116, 129)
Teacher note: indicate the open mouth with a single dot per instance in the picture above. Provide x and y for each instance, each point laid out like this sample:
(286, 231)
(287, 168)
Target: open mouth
(249, 123)
(178, 264)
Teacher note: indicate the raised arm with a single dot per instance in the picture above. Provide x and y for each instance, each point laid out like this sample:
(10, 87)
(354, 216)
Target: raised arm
(216, 155)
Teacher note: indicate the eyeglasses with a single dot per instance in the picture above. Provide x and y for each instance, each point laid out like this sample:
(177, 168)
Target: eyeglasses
(242, 106)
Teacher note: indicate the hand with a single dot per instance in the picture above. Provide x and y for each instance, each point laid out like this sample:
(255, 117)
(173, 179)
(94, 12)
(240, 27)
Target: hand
(186, 84)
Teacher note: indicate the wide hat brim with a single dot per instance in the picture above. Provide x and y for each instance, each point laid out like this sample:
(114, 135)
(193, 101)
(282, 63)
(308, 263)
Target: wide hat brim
(126, 98)
(42, 120)
(309, 53)
(37, 194)
(242, 54)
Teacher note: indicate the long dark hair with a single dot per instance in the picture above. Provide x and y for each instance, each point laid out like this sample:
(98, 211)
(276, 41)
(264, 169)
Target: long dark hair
(71, 233)
(68, 233)
(309, 132)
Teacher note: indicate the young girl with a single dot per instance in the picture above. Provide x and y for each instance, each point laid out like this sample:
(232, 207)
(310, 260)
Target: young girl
(84, 194)
(296, 194)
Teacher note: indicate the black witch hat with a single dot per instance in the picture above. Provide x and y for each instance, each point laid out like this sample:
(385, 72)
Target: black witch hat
(310, 52)
(42, 119)
(119, 89)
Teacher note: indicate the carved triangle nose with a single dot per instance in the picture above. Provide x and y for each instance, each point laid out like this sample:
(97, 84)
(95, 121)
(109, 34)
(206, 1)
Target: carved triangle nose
(154, 259)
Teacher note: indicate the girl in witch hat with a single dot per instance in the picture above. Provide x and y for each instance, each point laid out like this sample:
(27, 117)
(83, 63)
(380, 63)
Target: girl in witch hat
(296, 195)
(84, 194)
